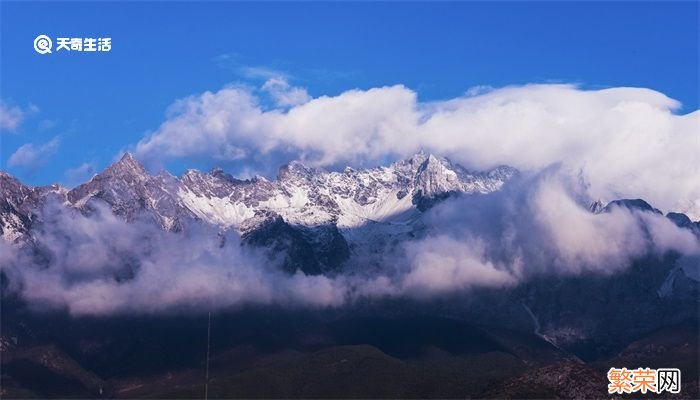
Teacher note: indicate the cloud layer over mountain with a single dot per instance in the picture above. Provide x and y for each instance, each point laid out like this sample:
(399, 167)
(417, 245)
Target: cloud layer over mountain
(99, 264)
(624, 142)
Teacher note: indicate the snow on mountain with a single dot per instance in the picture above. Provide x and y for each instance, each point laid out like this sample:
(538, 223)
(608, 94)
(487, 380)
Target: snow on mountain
(18, 205)
(316, 218)
(348, 199)
(15, 215)
(320, 211)
(130, 190)
(364, 206)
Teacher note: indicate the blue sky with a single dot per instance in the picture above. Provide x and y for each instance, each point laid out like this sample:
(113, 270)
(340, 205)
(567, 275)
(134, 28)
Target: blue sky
(89, 107)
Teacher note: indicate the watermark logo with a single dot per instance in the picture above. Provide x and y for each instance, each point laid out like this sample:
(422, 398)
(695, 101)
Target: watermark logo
(623, 380)
(43, 44)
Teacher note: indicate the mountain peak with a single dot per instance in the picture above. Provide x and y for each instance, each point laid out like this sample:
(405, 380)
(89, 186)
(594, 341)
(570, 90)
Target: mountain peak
(412, 163)
(219, 173)
(294, 169)
(127, 164)
(434, 164)
(5, 175)
(430, 158)
(631, 204)
(128, 158)
(597, 207)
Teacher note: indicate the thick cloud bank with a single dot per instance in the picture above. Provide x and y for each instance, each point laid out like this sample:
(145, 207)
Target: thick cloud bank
(538, 225)
(624, 142)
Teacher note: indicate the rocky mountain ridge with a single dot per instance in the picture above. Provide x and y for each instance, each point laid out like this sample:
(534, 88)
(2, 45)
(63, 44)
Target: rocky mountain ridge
(322, 214)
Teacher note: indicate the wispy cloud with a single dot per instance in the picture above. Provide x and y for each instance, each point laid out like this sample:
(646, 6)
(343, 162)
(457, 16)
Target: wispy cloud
(285, 95)
(237, 64)
(80, 174)
(11, 117)
(33, 156)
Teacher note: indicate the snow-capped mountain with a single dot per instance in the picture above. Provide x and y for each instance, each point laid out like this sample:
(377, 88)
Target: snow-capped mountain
(317, 221)
(322, 214)
(19, 204)
(129, 189)
(318, 218)
(349, 199)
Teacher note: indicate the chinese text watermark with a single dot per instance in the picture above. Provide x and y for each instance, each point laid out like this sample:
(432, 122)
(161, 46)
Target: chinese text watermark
(44, 45)
(623, 380)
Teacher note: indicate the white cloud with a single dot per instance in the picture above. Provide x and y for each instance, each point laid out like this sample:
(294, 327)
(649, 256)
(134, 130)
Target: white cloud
(625, 142)
(284, 94)
(33, 156)
(539, 225)
(261, 72)
(80, 174)
(101, 264)
(10, 117)
(444, 263)
(239, 65)
(583, 241)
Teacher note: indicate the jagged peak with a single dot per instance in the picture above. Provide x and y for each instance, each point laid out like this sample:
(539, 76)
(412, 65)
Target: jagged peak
(259, 178)
(127, 164)
(219, 173)
(419, 158)
(128, 159)
(432, 159)
(597, 206)
(680, 219)
(216, 173)
(6, 175)
(297, 164)
(412, 162)
(10, 181)
(294, 169)
(434, 164)
(192, 172)
(631, 204)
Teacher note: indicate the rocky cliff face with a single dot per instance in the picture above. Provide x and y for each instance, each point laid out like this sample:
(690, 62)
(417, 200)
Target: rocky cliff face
(19, 204)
